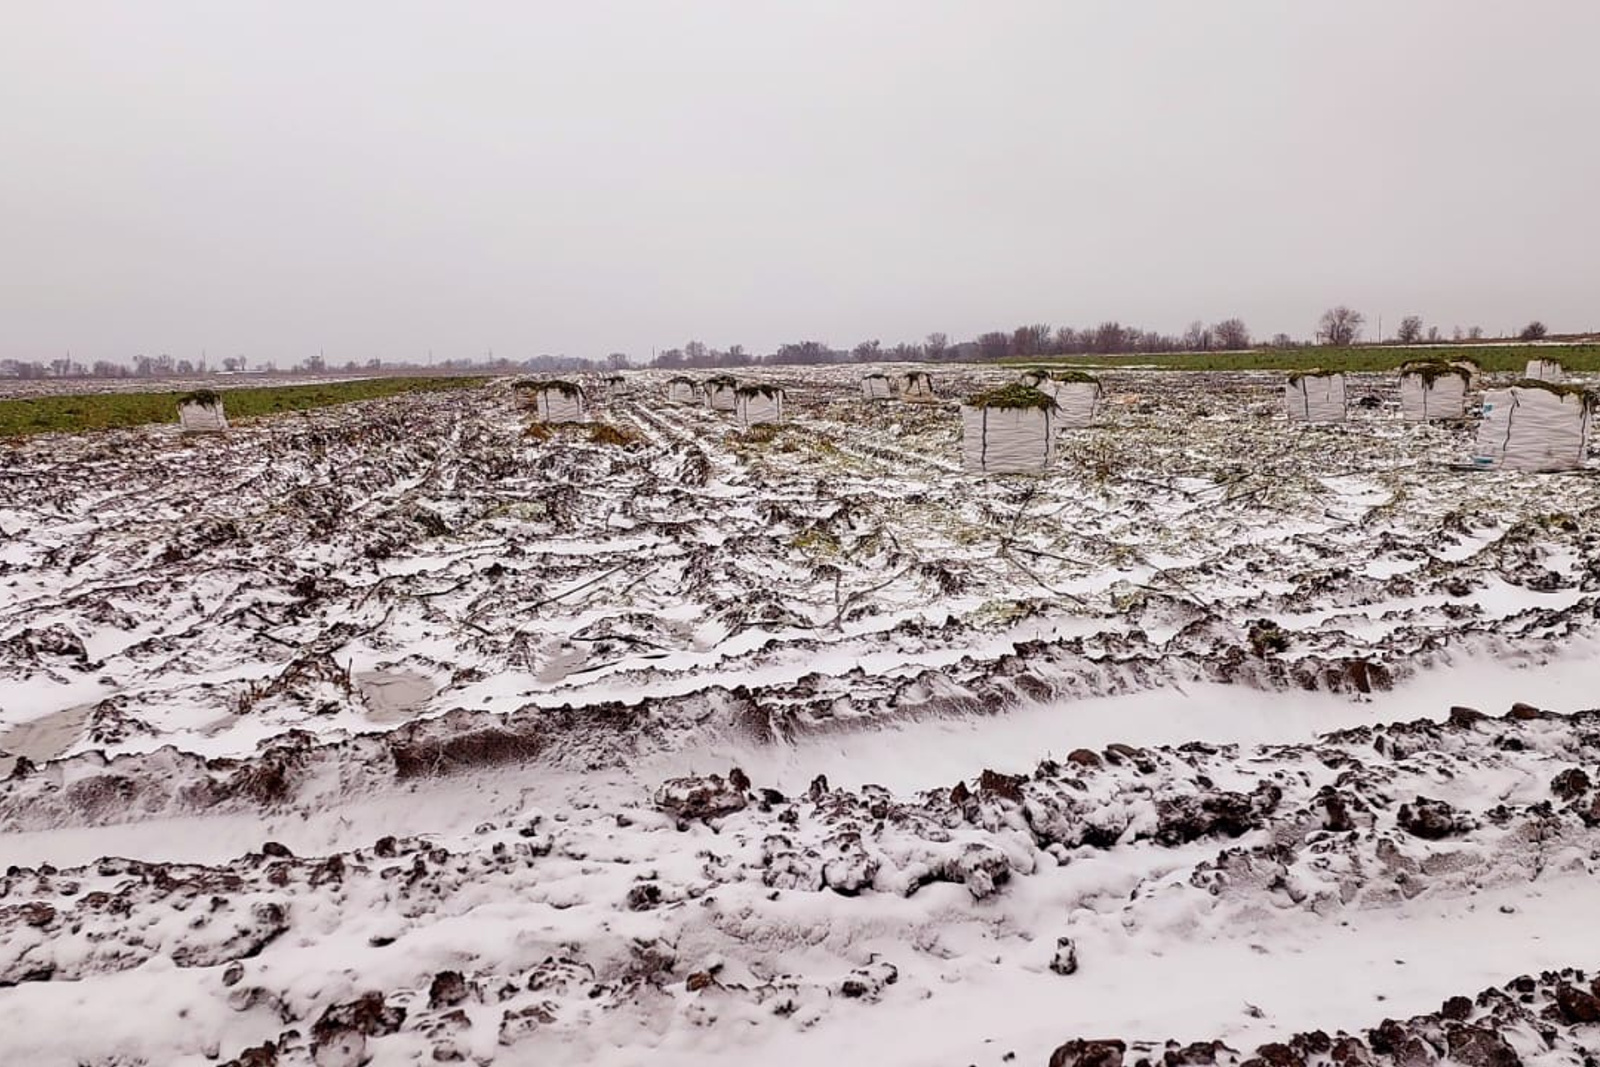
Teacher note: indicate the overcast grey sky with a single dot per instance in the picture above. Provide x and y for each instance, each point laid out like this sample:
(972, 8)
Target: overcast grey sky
(378, 178)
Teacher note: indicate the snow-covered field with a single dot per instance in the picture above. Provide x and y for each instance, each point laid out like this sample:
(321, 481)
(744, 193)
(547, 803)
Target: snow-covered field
(393, 733)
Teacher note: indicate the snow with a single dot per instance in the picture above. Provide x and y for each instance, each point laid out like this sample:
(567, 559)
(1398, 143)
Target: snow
(1336, 975)
(925, 754)
(342, 703)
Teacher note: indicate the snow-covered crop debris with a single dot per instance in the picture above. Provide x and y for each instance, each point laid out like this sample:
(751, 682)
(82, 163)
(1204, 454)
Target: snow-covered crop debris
(419, 730)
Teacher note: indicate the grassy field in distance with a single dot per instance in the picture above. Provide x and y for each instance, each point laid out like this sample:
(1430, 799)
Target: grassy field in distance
(104, 411)
(1585, 358)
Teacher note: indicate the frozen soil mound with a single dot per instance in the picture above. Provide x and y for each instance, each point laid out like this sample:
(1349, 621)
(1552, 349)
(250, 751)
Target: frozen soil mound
(409, 732)
(296, 574)
(1551, 1019)
(716, 901)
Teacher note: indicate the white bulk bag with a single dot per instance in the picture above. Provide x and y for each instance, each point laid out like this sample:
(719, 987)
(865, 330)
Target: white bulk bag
(997, 440)
(1315, 398)
(876, 387)
(556, 405)
(916, 386)
(202, 416)
(1444, 397)
(1077, 401)
(720, 396)
(757, 405)
(1526, 428)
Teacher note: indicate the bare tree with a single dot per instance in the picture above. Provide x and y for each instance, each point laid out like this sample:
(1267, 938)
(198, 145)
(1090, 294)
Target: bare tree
(1111, 337)
(1534, 331)
(1410, 331)
(804, 352)
(1066, 340)
(1032, 340)
(867, 351)
(1433, 335)
(1475, 333)
(1281, 340)
(937, 345)
(1232, 334)
(995, 344)
(617, 360)
(1198, 337)
(1340, 326)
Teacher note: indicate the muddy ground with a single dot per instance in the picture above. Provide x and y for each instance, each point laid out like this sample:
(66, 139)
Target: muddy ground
(407, 730)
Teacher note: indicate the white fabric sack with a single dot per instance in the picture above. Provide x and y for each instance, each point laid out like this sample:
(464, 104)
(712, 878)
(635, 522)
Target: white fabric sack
(1315, 399)
(916, 387)
(680, 392)
(876, 387)
(553, 405)
(1544, 370)
(758, 407)
(1532, 430)
(1078, 401)
(1443, 398)
(1006, 440)
(197, 417)
(721, 397)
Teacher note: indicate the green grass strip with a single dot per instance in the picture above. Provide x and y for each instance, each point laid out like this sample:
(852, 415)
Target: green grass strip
(105, 411)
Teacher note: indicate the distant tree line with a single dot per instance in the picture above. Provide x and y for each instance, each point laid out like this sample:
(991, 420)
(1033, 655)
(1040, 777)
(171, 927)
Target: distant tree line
(1339, 326)
(1343, 326)
(1033, 339)
(164, 366)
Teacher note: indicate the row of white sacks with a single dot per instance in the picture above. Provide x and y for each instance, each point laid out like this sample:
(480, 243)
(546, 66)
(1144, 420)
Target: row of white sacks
(1322, 398)
(1527, 429)
(753, 404)
(1524, 427)
(1426, 392)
